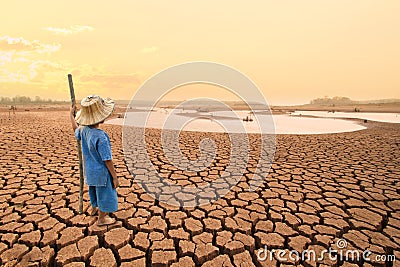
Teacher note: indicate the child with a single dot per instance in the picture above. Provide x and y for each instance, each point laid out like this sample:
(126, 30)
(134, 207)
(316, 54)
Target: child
(96, 150)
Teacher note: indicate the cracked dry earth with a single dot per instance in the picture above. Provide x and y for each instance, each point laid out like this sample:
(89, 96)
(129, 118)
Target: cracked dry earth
(320, 188)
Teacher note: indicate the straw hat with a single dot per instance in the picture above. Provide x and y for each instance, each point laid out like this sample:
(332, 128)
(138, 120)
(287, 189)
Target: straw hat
(94, 109)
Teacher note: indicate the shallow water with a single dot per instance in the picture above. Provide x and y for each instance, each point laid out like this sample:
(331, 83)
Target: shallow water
(219, 121)
(371, 116)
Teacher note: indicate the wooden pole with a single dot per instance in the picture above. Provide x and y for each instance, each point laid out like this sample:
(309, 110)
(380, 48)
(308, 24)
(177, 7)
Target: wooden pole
(73, 103)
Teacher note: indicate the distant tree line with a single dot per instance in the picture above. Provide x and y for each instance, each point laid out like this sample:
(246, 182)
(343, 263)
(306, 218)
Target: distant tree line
(336, 100)
(24, 100)
(340, 100)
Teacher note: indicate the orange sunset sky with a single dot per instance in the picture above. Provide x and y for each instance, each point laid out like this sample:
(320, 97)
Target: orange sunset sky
(294, 50)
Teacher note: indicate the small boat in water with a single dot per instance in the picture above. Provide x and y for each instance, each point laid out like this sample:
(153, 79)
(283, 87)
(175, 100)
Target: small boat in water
(247, 119)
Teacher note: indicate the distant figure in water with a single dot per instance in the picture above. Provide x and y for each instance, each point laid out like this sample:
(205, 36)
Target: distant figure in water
(100, 174)
(248, 119)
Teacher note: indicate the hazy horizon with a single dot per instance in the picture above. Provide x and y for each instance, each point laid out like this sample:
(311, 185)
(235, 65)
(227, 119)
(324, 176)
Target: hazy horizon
(177, 101)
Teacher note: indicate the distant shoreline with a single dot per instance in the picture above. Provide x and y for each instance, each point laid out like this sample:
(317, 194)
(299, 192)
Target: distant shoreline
(381, 108)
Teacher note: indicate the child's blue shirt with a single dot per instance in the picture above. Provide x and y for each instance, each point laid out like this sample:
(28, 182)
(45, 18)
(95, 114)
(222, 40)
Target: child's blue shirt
(96, 148)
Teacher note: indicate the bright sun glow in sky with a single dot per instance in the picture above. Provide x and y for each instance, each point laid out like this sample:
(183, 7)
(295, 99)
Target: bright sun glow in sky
(294, 50)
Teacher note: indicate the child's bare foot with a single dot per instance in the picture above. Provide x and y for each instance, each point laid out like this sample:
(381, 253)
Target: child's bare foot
(93, 211)
(105, 221)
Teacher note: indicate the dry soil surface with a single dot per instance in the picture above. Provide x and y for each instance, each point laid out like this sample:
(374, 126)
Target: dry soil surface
(320, 188)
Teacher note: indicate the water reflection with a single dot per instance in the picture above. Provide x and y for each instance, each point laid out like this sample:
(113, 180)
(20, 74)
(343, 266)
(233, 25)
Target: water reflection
(284, 123)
